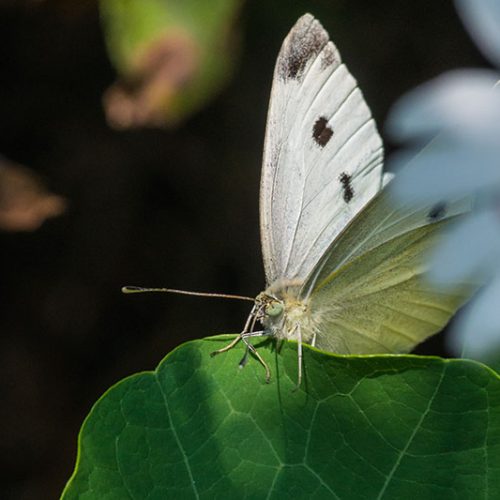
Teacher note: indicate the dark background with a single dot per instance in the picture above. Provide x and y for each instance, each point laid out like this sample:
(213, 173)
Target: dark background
(159, 208)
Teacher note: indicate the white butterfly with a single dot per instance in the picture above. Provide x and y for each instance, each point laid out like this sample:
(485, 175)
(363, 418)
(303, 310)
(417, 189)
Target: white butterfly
(343, 268)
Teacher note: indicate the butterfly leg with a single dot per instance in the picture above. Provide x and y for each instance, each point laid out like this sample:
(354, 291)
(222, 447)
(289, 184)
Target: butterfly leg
(244, 337)
(313, 342)
(299, 356)
(244, 359)
(250, 321)
(228, 347)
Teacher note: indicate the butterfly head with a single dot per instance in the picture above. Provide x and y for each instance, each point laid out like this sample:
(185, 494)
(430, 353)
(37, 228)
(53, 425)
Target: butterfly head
(273, 309)
(268, 306)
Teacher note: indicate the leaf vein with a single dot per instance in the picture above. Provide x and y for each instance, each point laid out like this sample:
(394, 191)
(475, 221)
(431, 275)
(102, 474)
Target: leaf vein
(177, 438)
(397, 463)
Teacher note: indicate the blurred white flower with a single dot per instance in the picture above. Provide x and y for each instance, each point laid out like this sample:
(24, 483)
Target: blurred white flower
(462, 102)
(482, 19)
(471, 249)
(461, 110)
(477, 331)
(445, 171)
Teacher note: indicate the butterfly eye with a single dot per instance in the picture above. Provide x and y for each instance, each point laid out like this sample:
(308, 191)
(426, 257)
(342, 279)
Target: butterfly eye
(274, 309)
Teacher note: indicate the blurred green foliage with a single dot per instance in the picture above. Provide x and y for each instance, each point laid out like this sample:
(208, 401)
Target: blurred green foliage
(193, 29)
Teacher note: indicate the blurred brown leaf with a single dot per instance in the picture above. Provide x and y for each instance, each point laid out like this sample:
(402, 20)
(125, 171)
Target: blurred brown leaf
(171, 57)
(159, 71)
(24, 201)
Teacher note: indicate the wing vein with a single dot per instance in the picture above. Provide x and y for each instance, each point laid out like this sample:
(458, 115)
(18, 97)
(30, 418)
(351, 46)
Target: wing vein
(402, 313)
(360, 333)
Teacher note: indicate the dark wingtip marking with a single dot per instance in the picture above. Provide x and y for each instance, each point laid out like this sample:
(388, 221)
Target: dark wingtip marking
(328, 56)
(345, 180)
(322, 133)
(304, 42)
(437, 212)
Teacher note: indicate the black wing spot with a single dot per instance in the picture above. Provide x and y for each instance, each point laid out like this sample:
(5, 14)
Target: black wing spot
(437, 212)
(304, 42)
(322, 133)
(345, 180)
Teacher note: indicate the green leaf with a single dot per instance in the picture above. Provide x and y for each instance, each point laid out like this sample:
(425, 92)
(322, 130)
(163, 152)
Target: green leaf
(360, 427)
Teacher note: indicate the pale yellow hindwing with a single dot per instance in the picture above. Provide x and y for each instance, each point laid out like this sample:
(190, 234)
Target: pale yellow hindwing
(369, 293)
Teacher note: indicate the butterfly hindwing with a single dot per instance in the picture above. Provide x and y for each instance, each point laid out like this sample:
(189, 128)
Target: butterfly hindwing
(322, 156)
(370, 291)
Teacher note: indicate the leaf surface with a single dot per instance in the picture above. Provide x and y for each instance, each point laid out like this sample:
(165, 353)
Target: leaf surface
(389, 426)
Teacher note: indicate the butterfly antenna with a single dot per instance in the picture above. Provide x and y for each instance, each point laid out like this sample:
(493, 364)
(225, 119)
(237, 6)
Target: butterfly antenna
(140, 289)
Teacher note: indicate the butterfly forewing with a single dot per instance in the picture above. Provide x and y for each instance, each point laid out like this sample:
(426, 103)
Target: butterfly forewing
(322, 155)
